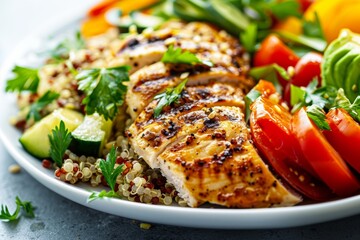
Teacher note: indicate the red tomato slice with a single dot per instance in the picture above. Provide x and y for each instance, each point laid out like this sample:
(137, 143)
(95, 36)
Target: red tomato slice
(344, 136)
(271, 130)
(324, 159)
(273, 50)
(307, 68)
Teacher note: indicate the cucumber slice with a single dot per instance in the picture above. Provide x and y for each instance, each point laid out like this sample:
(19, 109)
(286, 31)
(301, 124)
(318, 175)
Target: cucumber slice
(35, 140)
(89, 138)
(143, 21)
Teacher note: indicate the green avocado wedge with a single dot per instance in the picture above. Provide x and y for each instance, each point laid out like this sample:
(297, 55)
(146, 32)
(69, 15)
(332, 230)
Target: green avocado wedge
(340, 67)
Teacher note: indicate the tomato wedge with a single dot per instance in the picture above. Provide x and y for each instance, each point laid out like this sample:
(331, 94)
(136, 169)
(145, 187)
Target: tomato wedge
(270, 125)
(307, 68)
(324, 159)
(273, 50)
(344, 136)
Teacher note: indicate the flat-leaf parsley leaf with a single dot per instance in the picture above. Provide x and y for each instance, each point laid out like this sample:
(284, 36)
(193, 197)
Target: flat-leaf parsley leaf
(110, 174)
(59, 141)
(39, 104)
(168, 97)
(27, 207)
(26, 79)
(104, 89)
(176, 55)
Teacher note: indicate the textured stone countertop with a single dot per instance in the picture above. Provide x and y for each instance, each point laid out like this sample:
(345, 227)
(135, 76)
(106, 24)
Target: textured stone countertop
(60, 218)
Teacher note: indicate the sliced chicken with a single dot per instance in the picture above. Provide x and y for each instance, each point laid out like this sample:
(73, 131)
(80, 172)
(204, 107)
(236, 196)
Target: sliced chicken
(201, 142)
(151, 80)
(207, 155)
(218, 164)
(144, 49)
(150, 136)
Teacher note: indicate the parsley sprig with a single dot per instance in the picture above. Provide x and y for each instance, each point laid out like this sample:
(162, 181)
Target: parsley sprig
(62, 50)
(59, 141)
(311, 95)
(26, 79)
(168, 97)
(41, 103)
(177, 56)
(26, 206)
(110, 174)
(341, 101)
(104, 89)
(317, 114)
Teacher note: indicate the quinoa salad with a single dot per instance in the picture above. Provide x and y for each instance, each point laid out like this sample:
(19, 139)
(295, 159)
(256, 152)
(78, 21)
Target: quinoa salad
(137, 182)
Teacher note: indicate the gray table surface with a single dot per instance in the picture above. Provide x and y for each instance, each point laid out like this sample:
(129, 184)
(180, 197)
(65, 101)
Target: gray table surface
(59, 218)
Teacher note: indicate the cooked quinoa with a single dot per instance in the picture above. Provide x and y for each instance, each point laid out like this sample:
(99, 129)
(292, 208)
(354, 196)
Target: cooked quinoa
(138, 182)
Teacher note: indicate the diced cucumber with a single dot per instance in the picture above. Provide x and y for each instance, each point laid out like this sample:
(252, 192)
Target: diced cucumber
(89, 138)
(143, 21)
(35, 140)
(140, 20)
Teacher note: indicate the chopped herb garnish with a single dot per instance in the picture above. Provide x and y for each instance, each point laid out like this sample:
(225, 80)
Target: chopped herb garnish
(168, 97)
(317, 114)
(249, 99)
(270, 73)
(341, 101)
(27, 207)
(26, 79)
(110, 174)
(311, 95)
(40, 104)
(104, 88)
(176, 55)
(62, 50)
(59, 141)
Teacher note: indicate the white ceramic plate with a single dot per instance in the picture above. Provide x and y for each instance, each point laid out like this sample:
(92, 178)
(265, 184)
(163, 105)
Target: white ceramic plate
(173, 215)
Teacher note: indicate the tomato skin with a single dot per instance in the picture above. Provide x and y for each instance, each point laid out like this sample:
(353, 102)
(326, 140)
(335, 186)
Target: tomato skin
(324, 159)
(271, 131)
(306, 69)
(273, 50)
(344, 136)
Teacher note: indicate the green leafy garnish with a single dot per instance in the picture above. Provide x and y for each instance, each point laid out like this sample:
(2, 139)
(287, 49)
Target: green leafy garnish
(41, 103)
(313, 28)
(27, 207)
(110, 174)
(249, 99)
(176, 55)
(317, 114)
(62, 50)
(341, 101)
(248, 37)
(26, 79)
(59, 141)
(270, 73)
(311, 95)
(168, 97)
(104, 88)
(317, 44)
(283, 9)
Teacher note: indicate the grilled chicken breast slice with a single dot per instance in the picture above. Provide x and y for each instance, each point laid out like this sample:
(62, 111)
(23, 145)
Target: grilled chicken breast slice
(221, 166)
(144, 49)
(153, 79)
(150, 136)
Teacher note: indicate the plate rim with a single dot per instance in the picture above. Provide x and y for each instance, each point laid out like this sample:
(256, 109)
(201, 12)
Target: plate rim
(189, 217)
